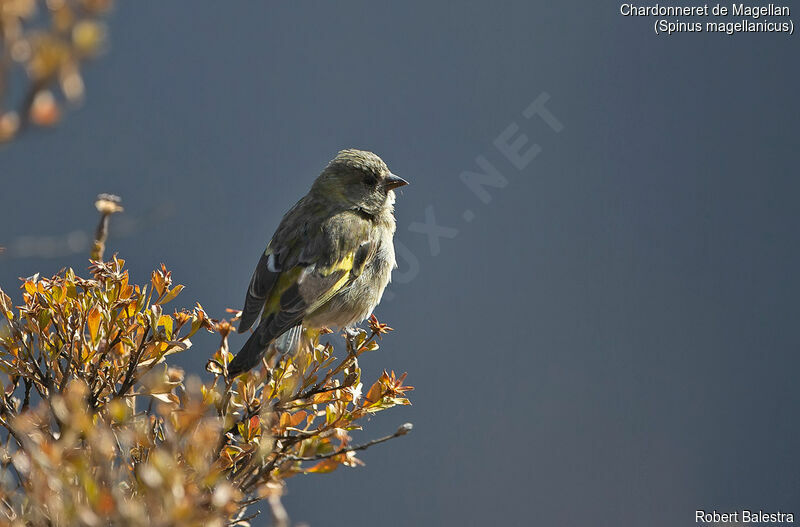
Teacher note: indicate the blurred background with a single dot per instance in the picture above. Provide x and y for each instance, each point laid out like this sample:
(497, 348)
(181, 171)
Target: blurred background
(609, 340)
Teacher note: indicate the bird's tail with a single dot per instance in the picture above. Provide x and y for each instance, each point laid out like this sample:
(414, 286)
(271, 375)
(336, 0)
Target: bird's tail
(289, 342)
(248, 356)
(255, 347)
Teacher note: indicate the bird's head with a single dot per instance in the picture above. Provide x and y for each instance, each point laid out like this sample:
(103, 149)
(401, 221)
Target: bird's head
(358, 179)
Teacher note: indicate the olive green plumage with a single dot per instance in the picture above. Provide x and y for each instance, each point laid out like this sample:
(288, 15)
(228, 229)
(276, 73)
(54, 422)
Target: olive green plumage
(329, 260)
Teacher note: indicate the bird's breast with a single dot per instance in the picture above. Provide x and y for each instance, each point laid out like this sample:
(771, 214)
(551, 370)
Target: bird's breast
(356, 301)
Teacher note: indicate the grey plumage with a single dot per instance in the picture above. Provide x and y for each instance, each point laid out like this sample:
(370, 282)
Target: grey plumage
(328, 262)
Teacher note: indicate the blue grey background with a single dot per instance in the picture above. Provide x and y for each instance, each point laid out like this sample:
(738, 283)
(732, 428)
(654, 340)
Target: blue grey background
(611, 341)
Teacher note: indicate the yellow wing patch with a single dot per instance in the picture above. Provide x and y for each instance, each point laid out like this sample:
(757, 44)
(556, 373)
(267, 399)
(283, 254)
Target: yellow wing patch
(285, 281)
(345, 264)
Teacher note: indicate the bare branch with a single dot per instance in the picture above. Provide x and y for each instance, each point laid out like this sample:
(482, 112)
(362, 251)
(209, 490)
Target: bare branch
(403, 430)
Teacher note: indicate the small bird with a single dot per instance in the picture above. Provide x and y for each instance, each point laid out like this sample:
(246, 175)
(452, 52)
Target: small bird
(329, 260)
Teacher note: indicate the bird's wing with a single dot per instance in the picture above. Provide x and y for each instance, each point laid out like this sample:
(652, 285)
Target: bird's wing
(264, 278)
(279, 257)
(304, 266)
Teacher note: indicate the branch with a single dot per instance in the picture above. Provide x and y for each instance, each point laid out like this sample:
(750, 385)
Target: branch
(96, 369)
(403, 430)
(106, 205)
(352, 355)
(129, 380)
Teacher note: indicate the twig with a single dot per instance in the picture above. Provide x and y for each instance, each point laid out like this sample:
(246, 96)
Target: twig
(352, 353)
(403, 430)
(96, 369)
(129, 380)
(106, 204)
(305, 395)
(27, 400)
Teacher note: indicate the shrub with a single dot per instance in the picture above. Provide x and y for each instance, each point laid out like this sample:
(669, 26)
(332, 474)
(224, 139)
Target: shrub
(101, 430)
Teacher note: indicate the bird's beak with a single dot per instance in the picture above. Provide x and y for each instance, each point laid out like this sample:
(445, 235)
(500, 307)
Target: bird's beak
(392, 182)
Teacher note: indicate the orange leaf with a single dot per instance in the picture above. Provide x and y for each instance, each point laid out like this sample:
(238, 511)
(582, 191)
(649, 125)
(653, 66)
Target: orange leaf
(93, 321)
(297, 418)
(254, 427)
(158, 283)
(171, 294)
(44, 110)
(375, 393)
(326, 465)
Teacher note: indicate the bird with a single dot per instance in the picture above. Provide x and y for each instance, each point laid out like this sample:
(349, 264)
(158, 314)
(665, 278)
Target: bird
(328, 261)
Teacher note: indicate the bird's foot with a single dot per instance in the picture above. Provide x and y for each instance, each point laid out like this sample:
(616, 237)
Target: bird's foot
(350, 332)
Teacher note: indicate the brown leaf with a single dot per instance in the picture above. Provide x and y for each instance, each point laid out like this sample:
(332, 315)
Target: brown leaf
(325, 466)
(93, 322)
(375, 393)
(175, 291)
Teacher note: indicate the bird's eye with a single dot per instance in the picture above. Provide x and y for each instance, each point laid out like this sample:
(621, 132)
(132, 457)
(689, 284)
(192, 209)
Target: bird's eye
(370, 179)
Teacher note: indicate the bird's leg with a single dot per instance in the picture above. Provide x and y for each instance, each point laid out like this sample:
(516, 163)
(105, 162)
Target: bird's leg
(268, 363)
(350, 332)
